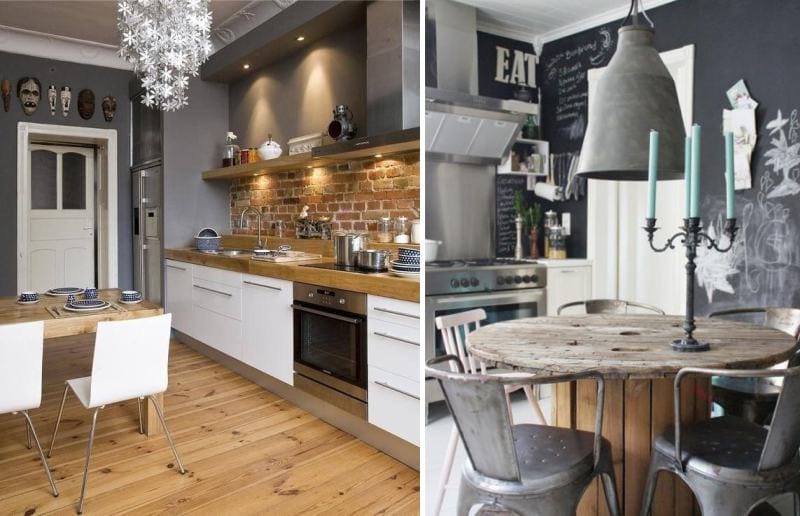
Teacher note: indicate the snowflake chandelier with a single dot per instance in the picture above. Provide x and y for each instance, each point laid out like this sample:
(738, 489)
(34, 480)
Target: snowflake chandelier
(166, 41)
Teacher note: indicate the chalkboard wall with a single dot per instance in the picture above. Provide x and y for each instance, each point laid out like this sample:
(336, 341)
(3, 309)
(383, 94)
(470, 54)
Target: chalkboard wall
(754, 40)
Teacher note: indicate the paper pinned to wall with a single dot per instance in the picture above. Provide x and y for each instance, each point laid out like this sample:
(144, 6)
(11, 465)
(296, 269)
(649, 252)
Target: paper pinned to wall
(742, 123)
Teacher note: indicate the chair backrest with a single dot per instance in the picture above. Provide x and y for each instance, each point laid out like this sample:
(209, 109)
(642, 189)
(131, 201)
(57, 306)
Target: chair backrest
(130, 359)
(21, 366)
(786, 320)
(610, 306)
(478, 406)
(783, 439)
(454, 329)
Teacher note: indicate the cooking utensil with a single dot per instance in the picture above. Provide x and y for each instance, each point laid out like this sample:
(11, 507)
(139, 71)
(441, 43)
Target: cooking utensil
(431, 249)
(373, 259)
(346, 246)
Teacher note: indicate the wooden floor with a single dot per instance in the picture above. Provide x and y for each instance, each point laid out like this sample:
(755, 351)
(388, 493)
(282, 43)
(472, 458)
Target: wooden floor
(246, 451)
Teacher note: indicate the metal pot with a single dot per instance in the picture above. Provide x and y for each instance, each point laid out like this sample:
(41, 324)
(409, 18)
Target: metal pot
(346, 246)
(373, 259)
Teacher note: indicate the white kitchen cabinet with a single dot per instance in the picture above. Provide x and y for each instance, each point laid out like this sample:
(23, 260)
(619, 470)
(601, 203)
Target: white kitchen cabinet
(217, 309)
(567, 281)
(267, 326)
(178, 298)
(393, 357)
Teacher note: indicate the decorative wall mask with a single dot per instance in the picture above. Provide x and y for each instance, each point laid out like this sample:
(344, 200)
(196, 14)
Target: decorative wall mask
(109, 107)
(86, 104)
(52, 95)
(29, 91)
(66, 100)
(5, 87)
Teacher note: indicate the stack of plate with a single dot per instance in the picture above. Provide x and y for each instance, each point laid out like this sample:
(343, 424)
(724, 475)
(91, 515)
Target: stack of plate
(407, 263)
(64, 291)
(86, 305)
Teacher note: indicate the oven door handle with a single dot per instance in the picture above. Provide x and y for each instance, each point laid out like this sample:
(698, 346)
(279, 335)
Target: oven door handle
(351, 320)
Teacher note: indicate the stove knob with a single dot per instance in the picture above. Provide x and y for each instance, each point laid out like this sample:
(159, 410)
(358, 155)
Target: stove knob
(474, 282)
(534, 278)
(500, 280)
(342, 301)
(464, 282)
(509, 280)
(517, 279)
(454, 283)
(311, 295)
(526, 279)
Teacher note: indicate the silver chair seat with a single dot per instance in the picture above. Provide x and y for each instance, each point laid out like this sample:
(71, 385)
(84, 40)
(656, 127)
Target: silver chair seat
(754, 386)
(725, 447)
(548, 457)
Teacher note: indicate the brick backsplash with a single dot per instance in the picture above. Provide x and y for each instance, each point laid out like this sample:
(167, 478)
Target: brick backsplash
(355, 195)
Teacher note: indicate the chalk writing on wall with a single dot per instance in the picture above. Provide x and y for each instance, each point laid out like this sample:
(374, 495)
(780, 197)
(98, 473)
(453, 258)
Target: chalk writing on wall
(764, 265)
(506, 187)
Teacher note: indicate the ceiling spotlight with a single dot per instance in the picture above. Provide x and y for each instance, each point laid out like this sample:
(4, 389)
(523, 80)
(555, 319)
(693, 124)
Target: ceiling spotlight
(246, 66)
(300, 38)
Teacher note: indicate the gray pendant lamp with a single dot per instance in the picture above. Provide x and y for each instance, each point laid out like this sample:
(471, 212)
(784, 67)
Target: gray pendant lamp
(633, 95)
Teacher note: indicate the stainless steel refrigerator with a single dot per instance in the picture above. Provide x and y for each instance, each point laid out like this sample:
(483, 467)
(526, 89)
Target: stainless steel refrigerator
(147, 224)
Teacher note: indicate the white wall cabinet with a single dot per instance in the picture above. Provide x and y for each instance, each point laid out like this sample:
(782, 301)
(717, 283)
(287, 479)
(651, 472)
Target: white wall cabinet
(393, 366)
(268, 328)
(567, 281)
(178, 299)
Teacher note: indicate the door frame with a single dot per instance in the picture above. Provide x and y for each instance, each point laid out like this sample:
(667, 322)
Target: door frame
(106, 215)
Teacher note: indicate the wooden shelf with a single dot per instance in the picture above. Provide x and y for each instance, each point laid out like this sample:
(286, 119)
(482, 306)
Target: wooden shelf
(306, 160)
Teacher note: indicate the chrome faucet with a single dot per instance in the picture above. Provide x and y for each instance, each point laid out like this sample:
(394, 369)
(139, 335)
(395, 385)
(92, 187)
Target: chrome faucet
(259, 244)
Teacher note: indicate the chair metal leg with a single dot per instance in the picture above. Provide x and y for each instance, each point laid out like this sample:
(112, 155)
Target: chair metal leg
(139, 405)
(58, 420)
(32, 431)
(537, 410)
(657, 463)
(447, 467)
(508, 403)
(28, 436)
(88, 460)
(166, 432)
(610, 489)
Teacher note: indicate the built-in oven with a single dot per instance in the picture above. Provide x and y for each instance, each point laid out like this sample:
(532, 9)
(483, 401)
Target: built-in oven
(499, 306)
(330, 345)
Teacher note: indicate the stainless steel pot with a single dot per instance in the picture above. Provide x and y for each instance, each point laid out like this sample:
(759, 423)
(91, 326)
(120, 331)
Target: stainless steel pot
(346, 246)
(373, 259)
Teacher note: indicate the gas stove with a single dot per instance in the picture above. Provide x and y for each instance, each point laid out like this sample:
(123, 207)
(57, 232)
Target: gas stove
(483, 275)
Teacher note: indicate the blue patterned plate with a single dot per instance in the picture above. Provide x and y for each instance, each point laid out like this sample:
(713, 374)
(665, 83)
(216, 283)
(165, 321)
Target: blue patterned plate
(86, 305)
(64, 291)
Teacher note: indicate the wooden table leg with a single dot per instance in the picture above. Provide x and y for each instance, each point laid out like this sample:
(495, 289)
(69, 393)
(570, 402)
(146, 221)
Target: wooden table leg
(152, 426)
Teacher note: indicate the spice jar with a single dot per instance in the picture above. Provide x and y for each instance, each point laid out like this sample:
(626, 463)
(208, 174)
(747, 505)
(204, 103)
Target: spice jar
(558, 243)
(385, 230)
(401, 231)
(550, 220)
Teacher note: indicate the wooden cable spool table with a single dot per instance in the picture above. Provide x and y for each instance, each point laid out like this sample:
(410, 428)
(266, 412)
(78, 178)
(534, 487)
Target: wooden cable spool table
(633, 354)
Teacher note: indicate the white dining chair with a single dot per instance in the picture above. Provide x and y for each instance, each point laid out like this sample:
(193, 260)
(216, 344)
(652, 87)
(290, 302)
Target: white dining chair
(454, 329)
(130, 362)
(21, 377)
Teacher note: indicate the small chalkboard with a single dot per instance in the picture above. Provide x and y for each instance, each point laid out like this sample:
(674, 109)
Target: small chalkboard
(506, 187)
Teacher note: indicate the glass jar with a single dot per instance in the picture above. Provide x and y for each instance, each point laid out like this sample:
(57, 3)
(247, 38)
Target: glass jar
(558, 243)
(401, 231)
(385, 230)
(550, 220)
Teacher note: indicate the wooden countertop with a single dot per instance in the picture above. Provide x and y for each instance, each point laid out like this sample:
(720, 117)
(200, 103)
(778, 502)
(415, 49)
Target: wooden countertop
(381, 284)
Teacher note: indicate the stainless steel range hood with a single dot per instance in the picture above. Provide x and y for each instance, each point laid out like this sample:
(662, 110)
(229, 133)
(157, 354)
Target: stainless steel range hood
(464, 128)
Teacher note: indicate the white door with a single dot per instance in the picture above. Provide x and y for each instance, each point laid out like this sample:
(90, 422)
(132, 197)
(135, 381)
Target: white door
(60, 243)
(624, 265)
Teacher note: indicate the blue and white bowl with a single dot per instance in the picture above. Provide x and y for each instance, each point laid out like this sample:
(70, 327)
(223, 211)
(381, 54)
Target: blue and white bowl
(29, 296)
(71, 299)
(409, 251)
(131, 296)
(90, 293)
(408, 260)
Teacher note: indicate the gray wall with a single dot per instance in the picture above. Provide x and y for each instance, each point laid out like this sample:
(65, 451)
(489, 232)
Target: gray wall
(295, 96)
(103, 81)
(193, 140)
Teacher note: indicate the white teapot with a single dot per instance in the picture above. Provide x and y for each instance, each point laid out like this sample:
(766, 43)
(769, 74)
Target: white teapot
(270, 149)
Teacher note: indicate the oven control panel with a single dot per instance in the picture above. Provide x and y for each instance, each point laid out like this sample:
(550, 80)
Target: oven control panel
(483, 279)
(346, 300)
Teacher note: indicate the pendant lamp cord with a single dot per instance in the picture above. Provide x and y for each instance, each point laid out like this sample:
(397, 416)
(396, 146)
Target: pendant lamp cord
(633, 13)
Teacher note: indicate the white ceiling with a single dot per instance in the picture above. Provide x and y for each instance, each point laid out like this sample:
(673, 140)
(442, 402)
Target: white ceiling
(94, 20)
(549, 19)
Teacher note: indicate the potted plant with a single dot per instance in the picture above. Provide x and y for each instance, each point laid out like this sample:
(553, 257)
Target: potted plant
(531, 218)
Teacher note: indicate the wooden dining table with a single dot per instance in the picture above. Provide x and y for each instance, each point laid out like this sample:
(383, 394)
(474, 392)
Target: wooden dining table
(633, 354)
(59, 322)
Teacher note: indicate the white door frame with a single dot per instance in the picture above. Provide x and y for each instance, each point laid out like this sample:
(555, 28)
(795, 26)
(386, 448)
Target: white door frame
(106, 194)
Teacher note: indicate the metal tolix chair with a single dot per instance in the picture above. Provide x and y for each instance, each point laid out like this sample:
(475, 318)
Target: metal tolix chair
(732, 464)
(526, 469)
(609, 306)
(754, 399)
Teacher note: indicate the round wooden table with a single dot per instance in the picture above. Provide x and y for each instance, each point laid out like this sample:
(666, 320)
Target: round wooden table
(633, 354)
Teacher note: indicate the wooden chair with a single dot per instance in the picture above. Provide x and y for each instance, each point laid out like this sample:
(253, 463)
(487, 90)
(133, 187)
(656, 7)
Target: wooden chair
(754, 399)
(532, 470)
(609, 306)
(21, 348)
(732, 464)
(130, 362)
(454, 329)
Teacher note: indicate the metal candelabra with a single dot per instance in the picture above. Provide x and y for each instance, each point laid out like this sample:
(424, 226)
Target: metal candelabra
(692, 236)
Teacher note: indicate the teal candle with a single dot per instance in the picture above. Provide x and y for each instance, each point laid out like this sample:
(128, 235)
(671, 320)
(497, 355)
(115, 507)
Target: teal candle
(652, 175)
(729, 179)
(687, 173)
(694, 206)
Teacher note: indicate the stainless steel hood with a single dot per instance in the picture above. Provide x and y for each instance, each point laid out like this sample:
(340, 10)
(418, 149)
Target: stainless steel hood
(464, 128)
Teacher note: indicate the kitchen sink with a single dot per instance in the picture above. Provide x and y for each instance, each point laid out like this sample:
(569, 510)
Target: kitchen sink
(237, 252)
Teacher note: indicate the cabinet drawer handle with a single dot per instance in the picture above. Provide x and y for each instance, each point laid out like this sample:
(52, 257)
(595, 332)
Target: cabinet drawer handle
(176, 267)
(264, 286)
(394, 312)
(395, 389)
(392, 337)
(566, 271)
(227, 294)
